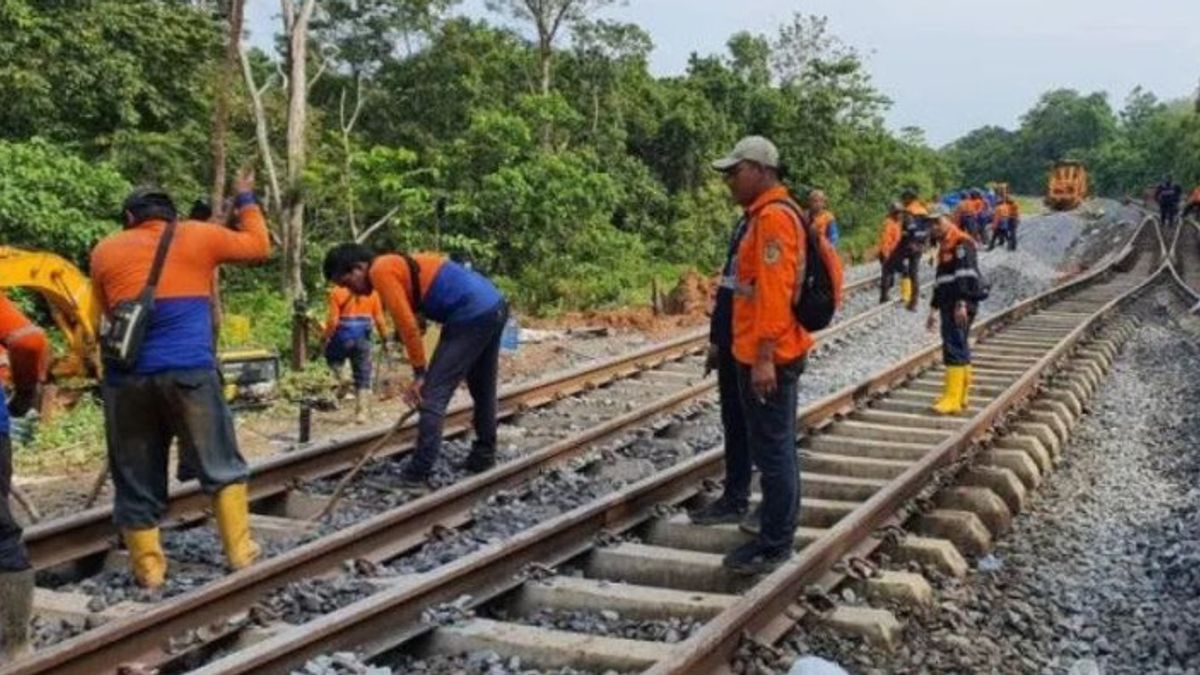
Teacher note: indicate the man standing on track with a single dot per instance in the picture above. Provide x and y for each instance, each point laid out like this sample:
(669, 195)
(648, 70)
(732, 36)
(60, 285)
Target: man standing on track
(1005, 220)
(472, 313)
(769, 344)
(1168, 194)
(172, 390)
(889, 238)
(957, 292)
(28, 353)
(914, 236)
(348, 338)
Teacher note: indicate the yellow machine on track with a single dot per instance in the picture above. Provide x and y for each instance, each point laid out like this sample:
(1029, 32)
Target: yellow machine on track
(1067, 186)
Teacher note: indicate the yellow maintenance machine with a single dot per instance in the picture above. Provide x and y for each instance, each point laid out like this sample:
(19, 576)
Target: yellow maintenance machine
(250, 374)
(1067, 186)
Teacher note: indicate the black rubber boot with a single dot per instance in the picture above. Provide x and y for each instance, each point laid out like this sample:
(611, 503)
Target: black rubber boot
(16, 606)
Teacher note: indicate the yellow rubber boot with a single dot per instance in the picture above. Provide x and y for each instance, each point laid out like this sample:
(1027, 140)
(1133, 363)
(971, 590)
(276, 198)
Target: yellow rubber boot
(232, 507)
(952, 395)
(905, 290)
(146, 557)
(966, 392)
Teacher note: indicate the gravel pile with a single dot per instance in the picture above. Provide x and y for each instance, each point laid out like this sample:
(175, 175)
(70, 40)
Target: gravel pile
(1102, 573)
(302, 601)
(505, 514)
(610, 624)
(340, 663)
(49, 632)
(477, 663)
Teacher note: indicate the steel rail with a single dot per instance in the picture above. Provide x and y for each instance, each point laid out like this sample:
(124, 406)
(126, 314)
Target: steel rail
(713, 646)
(88, 532)
(376, 538)
(375, 624)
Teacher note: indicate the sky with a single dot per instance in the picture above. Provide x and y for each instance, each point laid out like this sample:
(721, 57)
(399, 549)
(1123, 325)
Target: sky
(949, 66)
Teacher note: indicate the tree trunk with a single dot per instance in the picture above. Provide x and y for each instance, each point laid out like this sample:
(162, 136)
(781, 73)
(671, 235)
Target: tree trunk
(546, 55)
(297, 125)
(224, 85)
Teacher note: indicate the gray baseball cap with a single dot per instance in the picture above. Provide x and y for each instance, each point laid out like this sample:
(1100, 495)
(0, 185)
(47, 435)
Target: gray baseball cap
(750, 149)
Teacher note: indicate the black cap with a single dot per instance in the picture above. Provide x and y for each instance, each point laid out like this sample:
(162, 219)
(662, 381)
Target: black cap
(149, 203)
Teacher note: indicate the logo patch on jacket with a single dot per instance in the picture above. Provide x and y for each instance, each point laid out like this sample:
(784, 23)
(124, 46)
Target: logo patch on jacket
(772, 252)
(960, 252)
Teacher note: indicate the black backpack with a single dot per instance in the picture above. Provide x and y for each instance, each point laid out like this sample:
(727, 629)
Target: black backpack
(820, 291)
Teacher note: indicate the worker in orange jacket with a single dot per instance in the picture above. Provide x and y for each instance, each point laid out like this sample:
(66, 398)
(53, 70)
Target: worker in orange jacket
(1193, 205)
(822, 218)
(914, 238)
(890, 232)
(173, 390)
(958, 289)
(348, 322)
(472, 313)
(769, 344)
(28, 353)
(1005, 220)
(968, 213)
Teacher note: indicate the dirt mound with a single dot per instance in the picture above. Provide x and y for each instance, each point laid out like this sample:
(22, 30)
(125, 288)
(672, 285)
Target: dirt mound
(691, 296)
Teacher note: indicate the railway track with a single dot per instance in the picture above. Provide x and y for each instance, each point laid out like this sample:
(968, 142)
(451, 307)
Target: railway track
(869, 452)
(89, 533)
(1185, 254)
(656, 381)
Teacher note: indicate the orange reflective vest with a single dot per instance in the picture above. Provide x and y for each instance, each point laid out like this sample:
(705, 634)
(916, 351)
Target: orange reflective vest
(766, 273)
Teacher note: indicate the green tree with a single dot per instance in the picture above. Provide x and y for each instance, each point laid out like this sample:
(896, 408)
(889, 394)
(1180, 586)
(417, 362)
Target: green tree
(54, 200)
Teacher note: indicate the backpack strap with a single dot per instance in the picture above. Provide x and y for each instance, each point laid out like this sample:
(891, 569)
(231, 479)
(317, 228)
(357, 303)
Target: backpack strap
(414, 273)
(805, 227)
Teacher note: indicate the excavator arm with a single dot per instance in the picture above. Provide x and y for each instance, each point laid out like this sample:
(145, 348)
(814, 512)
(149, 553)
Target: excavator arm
(73, 306)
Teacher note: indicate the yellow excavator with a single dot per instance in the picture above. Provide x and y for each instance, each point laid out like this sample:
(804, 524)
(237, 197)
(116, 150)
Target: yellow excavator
(73, 307)
(250, 374)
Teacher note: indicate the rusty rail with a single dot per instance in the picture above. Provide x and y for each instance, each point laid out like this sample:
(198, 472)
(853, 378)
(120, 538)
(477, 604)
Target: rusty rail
(378, 538)
(371, 625)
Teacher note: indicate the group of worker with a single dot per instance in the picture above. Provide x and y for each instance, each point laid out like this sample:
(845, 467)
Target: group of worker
(169, 387)
(759, 347)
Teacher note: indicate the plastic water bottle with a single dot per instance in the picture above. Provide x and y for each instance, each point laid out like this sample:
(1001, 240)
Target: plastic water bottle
(510, 338)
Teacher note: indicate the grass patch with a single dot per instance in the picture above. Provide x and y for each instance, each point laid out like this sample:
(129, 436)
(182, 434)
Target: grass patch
(1029, 205)
(72, 440)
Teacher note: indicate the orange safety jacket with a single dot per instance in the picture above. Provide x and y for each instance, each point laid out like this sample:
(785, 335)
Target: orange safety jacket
(28, 352)
(1195, 196)
(767, 268)
(350, 315)
(180, 334)
(1005, 210)
(889, 236)
(449, 293)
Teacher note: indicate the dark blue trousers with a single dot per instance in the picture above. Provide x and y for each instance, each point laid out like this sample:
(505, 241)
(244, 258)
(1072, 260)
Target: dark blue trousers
(13, 556)
(737, 451)
(956, 343)
(358, 352)
(469, 350)
(771, 435)
(142, 415)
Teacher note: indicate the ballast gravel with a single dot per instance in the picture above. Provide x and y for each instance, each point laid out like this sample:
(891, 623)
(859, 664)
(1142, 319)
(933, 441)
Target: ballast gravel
(608, 623)
(1102, 573)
